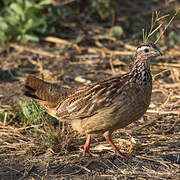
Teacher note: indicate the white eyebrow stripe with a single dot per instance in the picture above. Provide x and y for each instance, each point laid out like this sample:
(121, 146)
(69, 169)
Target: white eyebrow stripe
(143, 48)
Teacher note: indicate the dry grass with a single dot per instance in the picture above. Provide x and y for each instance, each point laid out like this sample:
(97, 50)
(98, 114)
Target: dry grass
(53, 151)
(157, 138)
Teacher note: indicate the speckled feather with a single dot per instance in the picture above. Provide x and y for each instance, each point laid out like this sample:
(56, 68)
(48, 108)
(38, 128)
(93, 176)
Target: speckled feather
(87, 101)
(104, 106)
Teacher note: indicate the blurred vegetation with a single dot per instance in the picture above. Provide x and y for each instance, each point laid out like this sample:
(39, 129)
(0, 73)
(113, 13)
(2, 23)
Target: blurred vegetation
(24, 20)
(30, 20)
(33, 114)
(49, 130)
(103, 8)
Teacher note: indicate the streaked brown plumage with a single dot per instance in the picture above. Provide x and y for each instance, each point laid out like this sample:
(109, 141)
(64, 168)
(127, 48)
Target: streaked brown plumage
(103, 106)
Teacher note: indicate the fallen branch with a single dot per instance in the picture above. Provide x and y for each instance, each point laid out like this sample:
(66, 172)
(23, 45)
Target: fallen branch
(163, 112)
(62, 41)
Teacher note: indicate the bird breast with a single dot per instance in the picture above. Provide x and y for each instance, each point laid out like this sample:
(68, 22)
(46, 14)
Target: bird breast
(127, 107)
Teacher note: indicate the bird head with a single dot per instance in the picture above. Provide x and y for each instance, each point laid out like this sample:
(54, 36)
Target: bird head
(146, 51)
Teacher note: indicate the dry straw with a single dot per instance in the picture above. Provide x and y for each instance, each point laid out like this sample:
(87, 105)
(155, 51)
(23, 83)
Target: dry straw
(154, 27)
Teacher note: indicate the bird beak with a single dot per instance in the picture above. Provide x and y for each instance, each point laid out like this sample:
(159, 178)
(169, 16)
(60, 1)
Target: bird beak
(159, 52)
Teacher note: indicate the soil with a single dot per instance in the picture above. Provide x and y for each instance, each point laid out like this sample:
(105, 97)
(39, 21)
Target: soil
(155, 154)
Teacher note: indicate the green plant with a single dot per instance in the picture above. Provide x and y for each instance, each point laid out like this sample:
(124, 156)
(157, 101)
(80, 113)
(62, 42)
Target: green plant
(117, 31)
(31, 113)
(102, 8)
(156, 25)
(23, 19)
(34, 115)
(173, 37)
(6, 2)
(51, 138)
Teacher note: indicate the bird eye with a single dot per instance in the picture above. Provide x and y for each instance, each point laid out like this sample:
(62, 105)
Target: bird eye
(146, 50)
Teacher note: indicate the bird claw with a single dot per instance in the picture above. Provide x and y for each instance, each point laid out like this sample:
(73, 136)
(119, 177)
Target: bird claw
(86, 148)
(123, 155)
(90, 153)
(131, 154)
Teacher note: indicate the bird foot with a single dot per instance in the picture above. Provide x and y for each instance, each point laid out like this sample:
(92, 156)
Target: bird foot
(86, 147)
(122, 155)
(131, 154)
(90, 153)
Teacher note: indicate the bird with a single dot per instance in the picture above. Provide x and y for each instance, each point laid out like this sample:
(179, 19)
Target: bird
(101, 107)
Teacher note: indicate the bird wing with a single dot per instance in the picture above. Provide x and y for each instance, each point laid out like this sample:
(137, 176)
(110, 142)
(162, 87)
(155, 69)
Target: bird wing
(88, 100)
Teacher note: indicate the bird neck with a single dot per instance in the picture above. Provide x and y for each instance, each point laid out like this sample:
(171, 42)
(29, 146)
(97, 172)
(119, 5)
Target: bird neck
(140, 72)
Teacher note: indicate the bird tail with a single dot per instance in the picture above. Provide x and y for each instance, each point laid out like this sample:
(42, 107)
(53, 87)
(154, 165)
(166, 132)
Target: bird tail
(40, 90)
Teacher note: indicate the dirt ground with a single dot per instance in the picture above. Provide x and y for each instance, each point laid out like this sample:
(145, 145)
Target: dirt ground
(156, 153)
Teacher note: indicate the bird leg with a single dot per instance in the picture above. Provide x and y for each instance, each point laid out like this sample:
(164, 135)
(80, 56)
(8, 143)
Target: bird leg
(109, 140)
(117, 151)
(86, 147)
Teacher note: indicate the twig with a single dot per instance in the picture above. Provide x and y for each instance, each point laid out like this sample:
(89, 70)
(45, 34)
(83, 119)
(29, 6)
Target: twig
(15, 170)
(167, 26)
(151, 159)
(62, 41)
(113, 164)
(155, 18)
(168, 65)
(123, 163)
(111, 64)
(13, 154)
(105, 50)
(5, 118)
(145, 125)
(163, 112)
(85, 168)
(166, 70)
(61, 4)
(35, 51)
(79, 170)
